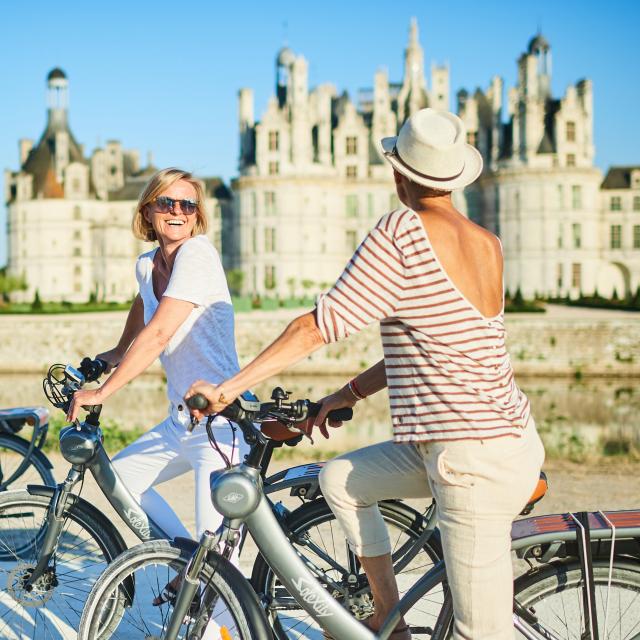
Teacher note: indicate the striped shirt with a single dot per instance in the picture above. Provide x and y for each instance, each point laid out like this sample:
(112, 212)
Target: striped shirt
(449, 375)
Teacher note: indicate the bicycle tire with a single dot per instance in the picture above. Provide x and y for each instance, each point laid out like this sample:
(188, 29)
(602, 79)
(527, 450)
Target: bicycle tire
(38, 471)
(288, 620)
(86, 545)
(231, 587)
(554, 592)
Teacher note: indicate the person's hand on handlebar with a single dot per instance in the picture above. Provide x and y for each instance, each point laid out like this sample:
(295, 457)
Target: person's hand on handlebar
(111, 357)
(337, 400)
(214, 394)
(84, 398)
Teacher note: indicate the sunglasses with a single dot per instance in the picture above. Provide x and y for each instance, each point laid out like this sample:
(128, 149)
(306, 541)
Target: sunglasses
(165, 204)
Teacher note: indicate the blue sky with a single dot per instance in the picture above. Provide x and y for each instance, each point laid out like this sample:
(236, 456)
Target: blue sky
(163, 77)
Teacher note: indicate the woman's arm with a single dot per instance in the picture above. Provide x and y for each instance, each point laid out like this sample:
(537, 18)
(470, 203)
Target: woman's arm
(132, 327)
(146, 347)
(301, 338)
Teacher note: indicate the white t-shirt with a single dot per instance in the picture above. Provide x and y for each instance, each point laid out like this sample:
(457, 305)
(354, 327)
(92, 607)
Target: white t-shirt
(203, 347)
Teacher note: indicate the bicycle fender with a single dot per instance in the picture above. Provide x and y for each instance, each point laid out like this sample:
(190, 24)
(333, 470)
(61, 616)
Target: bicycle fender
(93, 512)
(36, 453)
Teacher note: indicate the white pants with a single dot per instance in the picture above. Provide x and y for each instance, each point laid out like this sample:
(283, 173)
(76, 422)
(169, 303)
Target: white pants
(479, 486)
(168, 451)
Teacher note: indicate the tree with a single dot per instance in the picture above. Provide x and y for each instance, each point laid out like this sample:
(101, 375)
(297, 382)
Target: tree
(10, 283)
(235, 280)
(36, 305)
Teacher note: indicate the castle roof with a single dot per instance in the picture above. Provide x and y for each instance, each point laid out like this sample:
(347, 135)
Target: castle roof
(538, 43)
(40, 162)
(619, 177)
(57, 74)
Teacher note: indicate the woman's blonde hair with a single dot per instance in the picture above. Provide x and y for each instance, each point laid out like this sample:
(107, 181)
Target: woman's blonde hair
(160, 182)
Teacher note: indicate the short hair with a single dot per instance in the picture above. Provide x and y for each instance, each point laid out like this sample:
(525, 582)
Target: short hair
(159, 182)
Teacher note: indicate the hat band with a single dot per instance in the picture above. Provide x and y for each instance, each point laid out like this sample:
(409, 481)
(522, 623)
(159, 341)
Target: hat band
(395, 153)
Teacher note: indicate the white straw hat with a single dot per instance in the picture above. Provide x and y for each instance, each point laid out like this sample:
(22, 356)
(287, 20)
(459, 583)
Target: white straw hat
(431, 149)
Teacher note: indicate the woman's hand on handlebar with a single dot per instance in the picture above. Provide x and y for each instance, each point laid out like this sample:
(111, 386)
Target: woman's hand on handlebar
(111, 357)
(84, 398)
(337, 400)
(218, 400)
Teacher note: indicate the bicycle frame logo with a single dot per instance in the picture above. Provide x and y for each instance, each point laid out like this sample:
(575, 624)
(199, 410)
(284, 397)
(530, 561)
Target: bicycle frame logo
(139, 522)
(234, 497)
(306, 591)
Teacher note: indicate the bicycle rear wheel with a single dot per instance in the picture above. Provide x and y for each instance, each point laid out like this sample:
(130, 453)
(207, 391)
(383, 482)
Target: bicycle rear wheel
(554, 595)
(13, 451)
(152, 565)
(316, 536)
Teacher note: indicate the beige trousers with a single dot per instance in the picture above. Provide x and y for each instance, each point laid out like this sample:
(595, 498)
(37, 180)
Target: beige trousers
(480, 486)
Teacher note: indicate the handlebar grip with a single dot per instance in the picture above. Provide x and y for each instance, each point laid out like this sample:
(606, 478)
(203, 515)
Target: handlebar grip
(198, 401)
(344, 415)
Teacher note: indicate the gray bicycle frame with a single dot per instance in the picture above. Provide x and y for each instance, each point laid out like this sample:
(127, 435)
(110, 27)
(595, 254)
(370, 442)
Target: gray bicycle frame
(238, 495)
(81, 444)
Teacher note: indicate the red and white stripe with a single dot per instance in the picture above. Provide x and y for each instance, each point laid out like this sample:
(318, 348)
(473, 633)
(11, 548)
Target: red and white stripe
(448, 370)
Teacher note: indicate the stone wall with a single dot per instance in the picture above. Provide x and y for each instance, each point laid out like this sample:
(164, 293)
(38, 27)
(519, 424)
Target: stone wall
(540, 344)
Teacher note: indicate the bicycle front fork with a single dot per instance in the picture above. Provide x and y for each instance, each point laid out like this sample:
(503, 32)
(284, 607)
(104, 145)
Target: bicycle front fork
(229, 534)
(54, 523)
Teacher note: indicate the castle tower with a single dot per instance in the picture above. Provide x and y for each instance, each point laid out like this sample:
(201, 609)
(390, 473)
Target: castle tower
(413, 94)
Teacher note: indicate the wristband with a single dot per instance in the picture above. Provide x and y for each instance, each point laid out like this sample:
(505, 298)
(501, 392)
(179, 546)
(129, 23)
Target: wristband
(353, 387)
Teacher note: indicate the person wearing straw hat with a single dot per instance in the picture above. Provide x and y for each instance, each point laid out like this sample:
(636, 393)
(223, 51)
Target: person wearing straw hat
(462, 428)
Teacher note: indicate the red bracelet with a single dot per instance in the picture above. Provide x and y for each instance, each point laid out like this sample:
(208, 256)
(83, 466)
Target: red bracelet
(354, 389)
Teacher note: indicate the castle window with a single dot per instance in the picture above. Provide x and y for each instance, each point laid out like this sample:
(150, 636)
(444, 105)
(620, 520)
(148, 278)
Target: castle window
(370, 209)
(75, 185)
(114, 170)
(254, 204)
(270, 277)
(351, 204)
(77, 270)
(576, 231)
(352, 172)
(269, 239)
(254, 240)
(274, 140)
(77, 234)
(571, 159)
(576, 275)
(77, 287)
(560, 196)
(270, 202)
(636, 203)
(571, 131)
(77, 213)
(77, 252)
(351, 145)
(616, 203)
(576, 197)
(560, 235)
(559, 275)
(636, 236)
(352, 242)
(615, 236)
(274, 168)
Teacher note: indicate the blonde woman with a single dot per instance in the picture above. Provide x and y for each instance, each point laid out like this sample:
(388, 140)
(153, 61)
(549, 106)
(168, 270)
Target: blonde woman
(183, 315)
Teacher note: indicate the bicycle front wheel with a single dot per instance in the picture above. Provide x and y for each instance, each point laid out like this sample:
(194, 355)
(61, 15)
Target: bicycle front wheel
(553, 595)
(115, 611)
(13, 451)
(319, 539)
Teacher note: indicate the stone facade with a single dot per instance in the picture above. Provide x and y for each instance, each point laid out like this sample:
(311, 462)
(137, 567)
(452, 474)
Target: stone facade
(313, 181)
(69, 216)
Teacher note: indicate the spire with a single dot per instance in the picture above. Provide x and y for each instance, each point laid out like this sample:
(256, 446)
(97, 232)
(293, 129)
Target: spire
(57, 98)
(413, 33)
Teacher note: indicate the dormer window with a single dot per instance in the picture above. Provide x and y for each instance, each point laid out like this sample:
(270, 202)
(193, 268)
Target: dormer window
(274, 140)
(571, 131)
(616, 203)
(351, 145)
(571, 160)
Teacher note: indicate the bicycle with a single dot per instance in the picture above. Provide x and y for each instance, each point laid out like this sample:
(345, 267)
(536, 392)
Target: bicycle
(569, 555)
(22, 459)
(54, 544)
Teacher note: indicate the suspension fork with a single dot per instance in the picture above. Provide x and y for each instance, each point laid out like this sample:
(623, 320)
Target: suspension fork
(54, 522)
(229, 534)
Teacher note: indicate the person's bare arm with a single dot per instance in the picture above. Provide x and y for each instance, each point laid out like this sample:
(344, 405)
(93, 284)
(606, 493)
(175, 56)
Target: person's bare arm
(133, 326)
(147, 346)
(301, 338)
